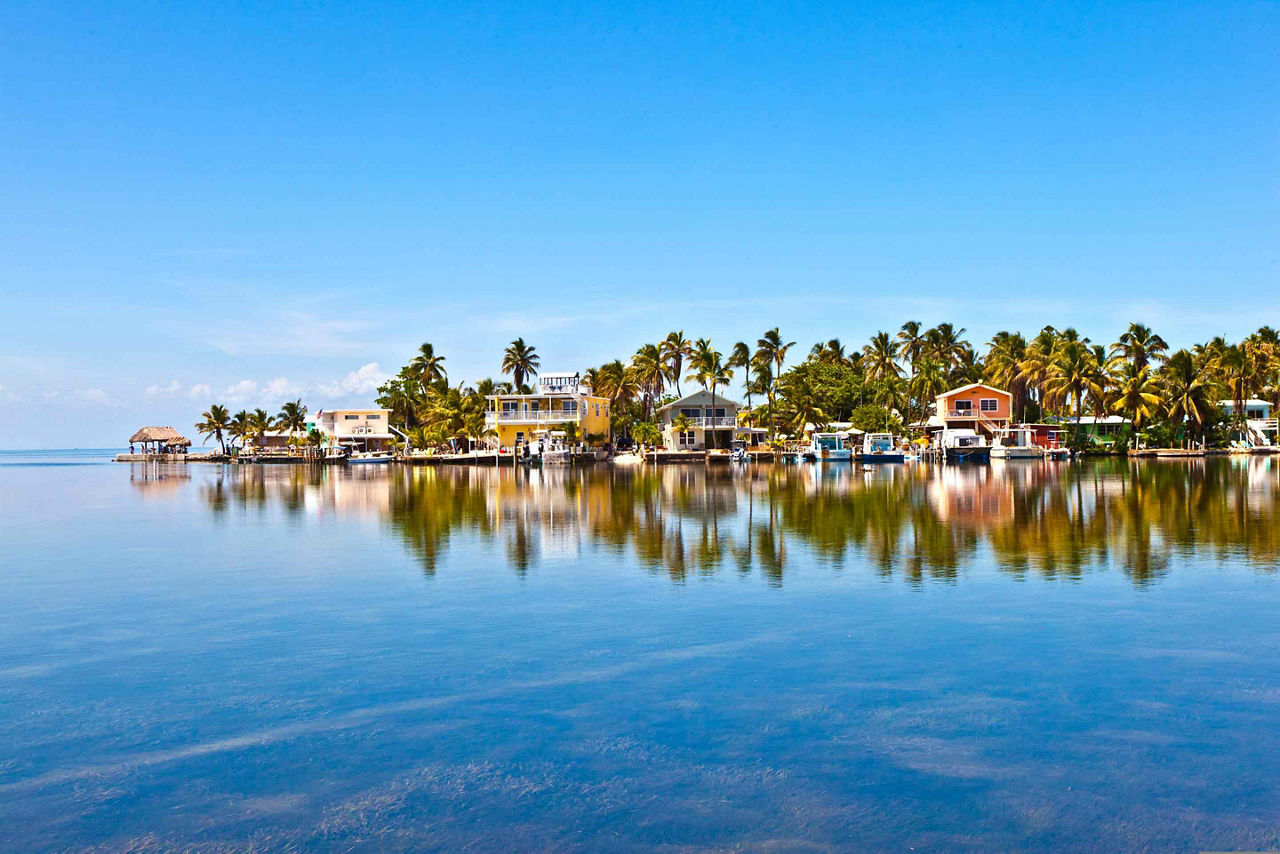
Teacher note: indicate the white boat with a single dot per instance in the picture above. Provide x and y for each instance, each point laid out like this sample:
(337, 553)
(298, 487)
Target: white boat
(549, 449)
(963, 445)
(369, 458)
(880, 448)
(628, 459)
(1015, 443)
(738, 451)
(829, 448)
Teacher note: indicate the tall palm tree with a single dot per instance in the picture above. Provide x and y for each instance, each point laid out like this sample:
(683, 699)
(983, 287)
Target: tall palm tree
(675, 348)
(880, 357)
(1188, 393)
(929, 381)
(1137, 394)
(427, 367)
(1235, 370)
(1072, 376)
(1005, 353)
(1139, 345)
(771, 349)
(710, 372)
(910, 341)
(943, 342)
(521, 361)
(215, 425)
(650, 373)
(742, 357)
(292, 417)
(239, 429)
(259, 423)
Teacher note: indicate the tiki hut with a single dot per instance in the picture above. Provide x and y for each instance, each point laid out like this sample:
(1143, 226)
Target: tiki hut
(160, 440)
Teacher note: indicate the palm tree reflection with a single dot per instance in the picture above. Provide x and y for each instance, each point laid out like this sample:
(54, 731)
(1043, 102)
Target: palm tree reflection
(919, 523)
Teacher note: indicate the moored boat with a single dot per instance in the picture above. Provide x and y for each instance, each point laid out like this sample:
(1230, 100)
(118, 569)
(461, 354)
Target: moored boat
(881, 448)
(829, 448)
(1015, 443)
(962, 445)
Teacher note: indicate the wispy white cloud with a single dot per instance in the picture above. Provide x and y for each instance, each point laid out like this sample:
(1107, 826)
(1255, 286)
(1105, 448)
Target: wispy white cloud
(199, 390)
(292, 334)
(364, 381)
(97, 396)
(163, 390)
(8, 395)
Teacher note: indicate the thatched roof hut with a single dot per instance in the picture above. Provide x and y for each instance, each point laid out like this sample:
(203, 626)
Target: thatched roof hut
(161, 436)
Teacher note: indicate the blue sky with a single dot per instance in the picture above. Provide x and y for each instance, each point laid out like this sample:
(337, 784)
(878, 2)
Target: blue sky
(229, 202)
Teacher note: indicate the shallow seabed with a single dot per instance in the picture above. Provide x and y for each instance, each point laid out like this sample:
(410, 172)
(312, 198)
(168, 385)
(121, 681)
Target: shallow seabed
(1032, 656)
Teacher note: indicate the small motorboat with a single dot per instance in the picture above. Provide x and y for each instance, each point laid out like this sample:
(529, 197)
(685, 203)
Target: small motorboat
(738, 451)
(962, 445)
(1015, 443)
(881, 448)
(829, 448)
(369, 458)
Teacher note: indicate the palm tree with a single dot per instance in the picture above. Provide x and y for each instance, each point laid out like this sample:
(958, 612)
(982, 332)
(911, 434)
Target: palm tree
(771, 350)
(1236, 371)
(650, 373)
(521, 361)
(1137, 395)
(292, 417)
(1188, 394)
(929, 381)
(238, 429)
(675, 348)
(1139, 345)
(742, 357)
(1073, 375)
(879, 357)
(215, 424)
(427, 367)
(910, 342)
(1005, 353)
(646, 433)
(943, 342)
(710, 372)
(259, 423)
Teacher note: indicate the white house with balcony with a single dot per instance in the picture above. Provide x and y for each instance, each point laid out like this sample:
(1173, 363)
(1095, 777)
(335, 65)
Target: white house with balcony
(362, 429)
(709, 422)
(1260, 425)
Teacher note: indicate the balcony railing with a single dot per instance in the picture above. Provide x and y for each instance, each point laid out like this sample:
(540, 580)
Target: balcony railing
(553, 416)
(970, 413)
(714, 421)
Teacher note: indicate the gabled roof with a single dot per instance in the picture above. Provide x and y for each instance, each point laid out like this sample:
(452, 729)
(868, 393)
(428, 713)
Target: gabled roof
(699, 396)
(972, 386)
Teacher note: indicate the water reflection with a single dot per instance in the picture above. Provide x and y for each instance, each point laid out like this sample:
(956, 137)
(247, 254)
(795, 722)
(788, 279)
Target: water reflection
(919, 523)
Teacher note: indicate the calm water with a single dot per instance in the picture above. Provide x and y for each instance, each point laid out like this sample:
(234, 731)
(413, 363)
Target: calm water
(1008, 657)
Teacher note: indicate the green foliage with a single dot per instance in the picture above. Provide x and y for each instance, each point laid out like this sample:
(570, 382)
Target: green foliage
(875, 419)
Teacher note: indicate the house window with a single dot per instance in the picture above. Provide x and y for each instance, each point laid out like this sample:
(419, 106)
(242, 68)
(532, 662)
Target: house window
(963, 405)
(351, 417)
(688, 412)
(375, 417)
(685, 439)
(569, 407)
(989, 404)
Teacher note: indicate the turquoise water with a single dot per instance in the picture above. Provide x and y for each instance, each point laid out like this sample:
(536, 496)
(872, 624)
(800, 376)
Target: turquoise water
(1021, 656)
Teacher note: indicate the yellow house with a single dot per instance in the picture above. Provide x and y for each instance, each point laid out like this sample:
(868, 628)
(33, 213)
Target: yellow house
(559, 402)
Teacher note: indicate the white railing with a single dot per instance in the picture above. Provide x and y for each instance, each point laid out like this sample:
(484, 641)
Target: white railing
(551, 417)
(972, 413)
(716, 421)
(1265, 424)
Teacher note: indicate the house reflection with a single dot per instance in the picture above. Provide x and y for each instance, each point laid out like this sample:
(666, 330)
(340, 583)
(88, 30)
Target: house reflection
(917, 523)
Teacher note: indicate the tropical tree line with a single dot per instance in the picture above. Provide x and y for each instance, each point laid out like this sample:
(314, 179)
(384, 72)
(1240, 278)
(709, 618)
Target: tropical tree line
(245, 428)
(888, 383)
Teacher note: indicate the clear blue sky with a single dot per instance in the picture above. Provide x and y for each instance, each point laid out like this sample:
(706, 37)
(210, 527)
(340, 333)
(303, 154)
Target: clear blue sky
(239, 202)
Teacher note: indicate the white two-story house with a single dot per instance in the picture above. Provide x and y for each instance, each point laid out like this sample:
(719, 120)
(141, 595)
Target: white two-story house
(709, 422)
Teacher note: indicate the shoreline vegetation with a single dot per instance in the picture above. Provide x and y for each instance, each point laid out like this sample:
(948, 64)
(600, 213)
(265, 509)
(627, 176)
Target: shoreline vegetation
(1168, 399)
